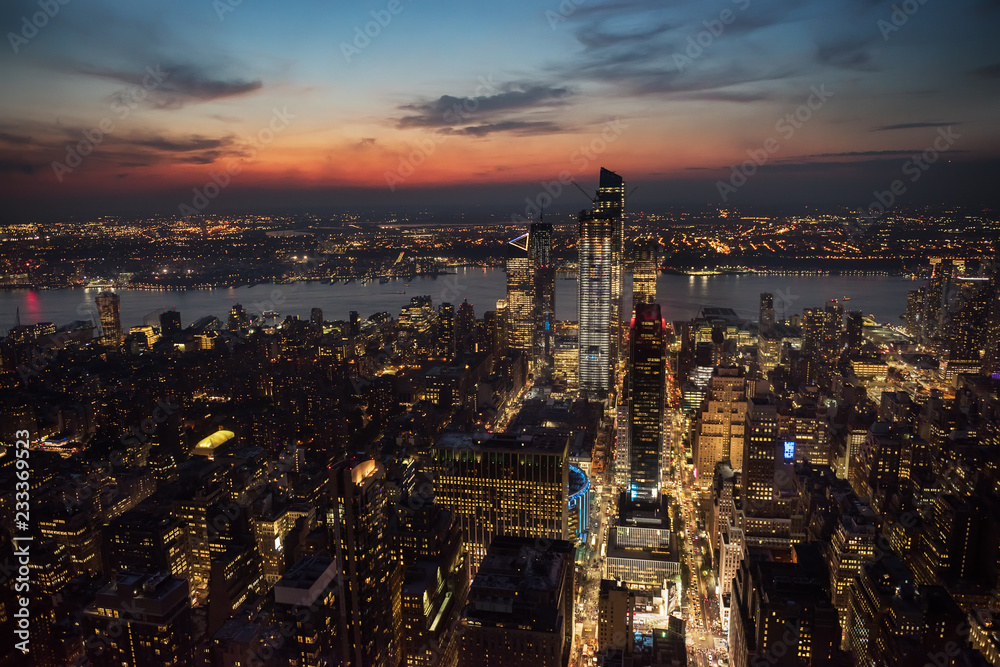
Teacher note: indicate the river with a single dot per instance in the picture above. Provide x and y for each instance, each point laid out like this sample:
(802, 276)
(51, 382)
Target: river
(680, 296)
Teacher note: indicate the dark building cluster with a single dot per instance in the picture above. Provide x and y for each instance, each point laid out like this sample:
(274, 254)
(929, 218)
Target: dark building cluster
(441, 488)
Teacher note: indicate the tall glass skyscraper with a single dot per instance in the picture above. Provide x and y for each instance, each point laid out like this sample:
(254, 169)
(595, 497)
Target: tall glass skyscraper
(540, 249)
(521, 296)
(647, 374)
(601, 237)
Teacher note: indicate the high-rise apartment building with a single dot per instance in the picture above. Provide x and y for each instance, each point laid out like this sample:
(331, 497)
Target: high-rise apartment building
(944, 271)
(316, 318)
(966, 324)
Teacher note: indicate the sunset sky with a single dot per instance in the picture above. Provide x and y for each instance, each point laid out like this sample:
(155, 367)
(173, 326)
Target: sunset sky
(470, 103)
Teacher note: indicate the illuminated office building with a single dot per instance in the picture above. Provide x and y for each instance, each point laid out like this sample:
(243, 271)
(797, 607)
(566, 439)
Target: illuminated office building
(759, 450)
(504, 484)
(109, 312)
(601, 236)
(647, 374)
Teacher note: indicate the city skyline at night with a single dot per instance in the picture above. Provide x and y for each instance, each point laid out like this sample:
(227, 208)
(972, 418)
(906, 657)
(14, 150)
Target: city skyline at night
(584, 333)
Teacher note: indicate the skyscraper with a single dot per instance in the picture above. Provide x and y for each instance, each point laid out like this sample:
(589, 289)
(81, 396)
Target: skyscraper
(601, 236)
(943, 273)
(141, 619)
(966, 325)
(991, 353)
(645, 266)
(503, 484)
(759, 453)
(719, 431)
(465, 325)
(521, 295)
(238, 318)
(647, 381)
(109, 311)
(766, 313)
(540, 250)
(446, 331)
(369, 588)
(855, 330)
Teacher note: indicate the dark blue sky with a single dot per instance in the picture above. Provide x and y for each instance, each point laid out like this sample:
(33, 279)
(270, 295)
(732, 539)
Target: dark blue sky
(417, 102)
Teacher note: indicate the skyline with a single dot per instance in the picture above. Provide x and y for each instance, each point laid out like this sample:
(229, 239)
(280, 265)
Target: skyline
(816, 107)
(440, 489)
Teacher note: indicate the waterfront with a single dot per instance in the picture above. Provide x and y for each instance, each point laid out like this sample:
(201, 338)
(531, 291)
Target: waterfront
(680, 296)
